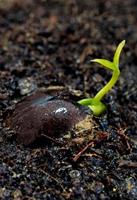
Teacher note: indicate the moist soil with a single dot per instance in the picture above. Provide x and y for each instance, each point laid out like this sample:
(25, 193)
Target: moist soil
(47, 46)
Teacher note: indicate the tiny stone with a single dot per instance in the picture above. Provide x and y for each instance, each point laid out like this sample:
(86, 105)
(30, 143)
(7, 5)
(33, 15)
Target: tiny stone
(74, 174)
(26, 86)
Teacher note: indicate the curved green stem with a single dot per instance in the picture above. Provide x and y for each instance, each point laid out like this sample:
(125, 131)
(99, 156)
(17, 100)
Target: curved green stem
(108, 86)
(95, 103)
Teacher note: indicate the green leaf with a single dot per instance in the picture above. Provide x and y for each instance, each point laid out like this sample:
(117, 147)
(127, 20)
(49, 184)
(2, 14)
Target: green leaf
(106, 63)
(85, 102)
(117, 53)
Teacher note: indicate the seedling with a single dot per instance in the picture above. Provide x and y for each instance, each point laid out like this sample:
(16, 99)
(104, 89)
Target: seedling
(95, 103)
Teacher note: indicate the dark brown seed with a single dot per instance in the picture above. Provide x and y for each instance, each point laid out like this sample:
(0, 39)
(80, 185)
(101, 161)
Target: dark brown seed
(41, 114)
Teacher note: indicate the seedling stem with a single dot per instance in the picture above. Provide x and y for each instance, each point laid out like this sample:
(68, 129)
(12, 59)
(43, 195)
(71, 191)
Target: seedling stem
(95, 103)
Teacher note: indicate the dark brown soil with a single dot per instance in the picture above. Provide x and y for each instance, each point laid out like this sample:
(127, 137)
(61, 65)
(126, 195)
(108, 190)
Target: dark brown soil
(47, 46)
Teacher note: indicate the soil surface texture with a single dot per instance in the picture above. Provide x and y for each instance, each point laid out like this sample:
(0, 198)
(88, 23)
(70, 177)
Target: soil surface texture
(46, 46)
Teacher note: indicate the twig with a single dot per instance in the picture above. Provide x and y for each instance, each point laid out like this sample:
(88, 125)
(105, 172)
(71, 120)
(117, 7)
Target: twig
(100, 137)
(83, 150)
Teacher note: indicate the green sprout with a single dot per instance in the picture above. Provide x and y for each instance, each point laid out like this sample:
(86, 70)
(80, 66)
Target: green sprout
(95, 103)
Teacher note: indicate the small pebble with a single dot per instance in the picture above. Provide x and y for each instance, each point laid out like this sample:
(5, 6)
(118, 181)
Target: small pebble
(74, 174)
(27, 86)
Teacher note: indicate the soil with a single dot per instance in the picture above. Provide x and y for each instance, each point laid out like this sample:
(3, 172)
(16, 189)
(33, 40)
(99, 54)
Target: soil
(47, 46)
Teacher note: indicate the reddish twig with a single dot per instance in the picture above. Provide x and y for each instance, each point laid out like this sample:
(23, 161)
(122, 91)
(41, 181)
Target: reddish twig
(83, 150)
(100, 137)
